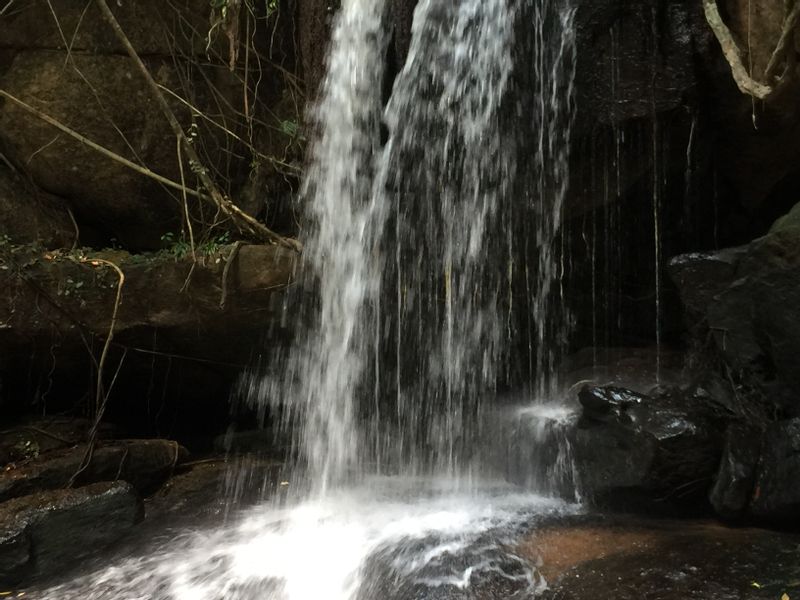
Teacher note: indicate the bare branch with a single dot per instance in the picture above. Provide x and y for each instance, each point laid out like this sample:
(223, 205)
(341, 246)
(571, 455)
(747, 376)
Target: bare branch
(94, 146)
(246, 224)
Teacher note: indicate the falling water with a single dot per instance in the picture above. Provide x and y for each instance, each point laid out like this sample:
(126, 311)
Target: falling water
(446, 173)
(324, 374)
(405, 345)
(432, 255)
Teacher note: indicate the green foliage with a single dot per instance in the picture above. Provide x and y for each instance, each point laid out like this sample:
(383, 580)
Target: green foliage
(213, 245)
(290, 128)
(176, 247)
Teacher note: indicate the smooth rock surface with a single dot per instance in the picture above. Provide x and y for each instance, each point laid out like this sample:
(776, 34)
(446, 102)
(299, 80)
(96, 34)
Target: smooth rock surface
(618, 559)
(49, 532)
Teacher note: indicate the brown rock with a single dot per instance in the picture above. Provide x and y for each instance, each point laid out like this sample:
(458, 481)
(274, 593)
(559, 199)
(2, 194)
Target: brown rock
(143, 463)
(30, 215)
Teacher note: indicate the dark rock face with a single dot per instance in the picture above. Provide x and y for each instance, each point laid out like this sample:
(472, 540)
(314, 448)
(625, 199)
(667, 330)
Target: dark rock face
(27, 214)
(776, 496)
(646, 451)
(52, 531)
(748, 300)
(736, 477)
(625, 48)
(39, 77)
(143, 463)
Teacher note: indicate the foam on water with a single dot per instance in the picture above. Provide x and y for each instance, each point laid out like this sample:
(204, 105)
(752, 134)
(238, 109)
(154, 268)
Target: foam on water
(379, 540)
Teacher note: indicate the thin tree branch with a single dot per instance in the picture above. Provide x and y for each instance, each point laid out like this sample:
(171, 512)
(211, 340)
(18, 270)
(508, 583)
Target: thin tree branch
(244, 222)
(97, 147)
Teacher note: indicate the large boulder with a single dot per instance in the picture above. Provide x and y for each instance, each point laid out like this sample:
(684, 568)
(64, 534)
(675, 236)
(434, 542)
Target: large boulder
(49, 532)
(652, 451)
(87, 95)
(748, 301)
(64, 60)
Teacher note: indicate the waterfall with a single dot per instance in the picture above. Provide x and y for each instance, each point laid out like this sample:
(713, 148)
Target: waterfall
(431, 280)
(445, 172)
(323, 376)
(418, 248)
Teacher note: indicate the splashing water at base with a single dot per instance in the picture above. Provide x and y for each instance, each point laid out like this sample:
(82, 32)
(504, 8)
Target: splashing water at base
(387, 539)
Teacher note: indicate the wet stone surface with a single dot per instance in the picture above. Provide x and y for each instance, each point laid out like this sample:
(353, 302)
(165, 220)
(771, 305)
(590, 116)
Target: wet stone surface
(666, 560)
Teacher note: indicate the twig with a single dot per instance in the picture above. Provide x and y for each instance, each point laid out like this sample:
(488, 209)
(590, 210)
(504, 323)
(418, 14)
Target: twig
(231, 257)
(111, 328)
(227, 131)
(77, 229)
(246, 224)
(6, 7)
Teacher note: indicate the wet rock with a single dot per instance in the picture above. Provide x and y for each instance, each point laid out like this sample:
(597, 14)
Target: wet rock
(663, 560)
(747, 299)
(625, 47)
(735, 480)
(703, 276)
(51, 531)
(603, 403)
(143, 463)
(776, 497)
(212, 486)
(647, 451)
(631, 368)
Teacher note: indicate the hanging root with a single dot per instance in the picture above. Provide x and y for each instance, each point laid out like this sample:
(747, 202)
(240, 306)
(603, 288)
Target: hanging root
(781, 66)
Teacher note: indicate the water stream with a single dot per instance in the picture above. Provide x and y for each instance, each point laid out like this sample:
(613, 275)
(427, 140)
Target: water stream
(434, 257)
